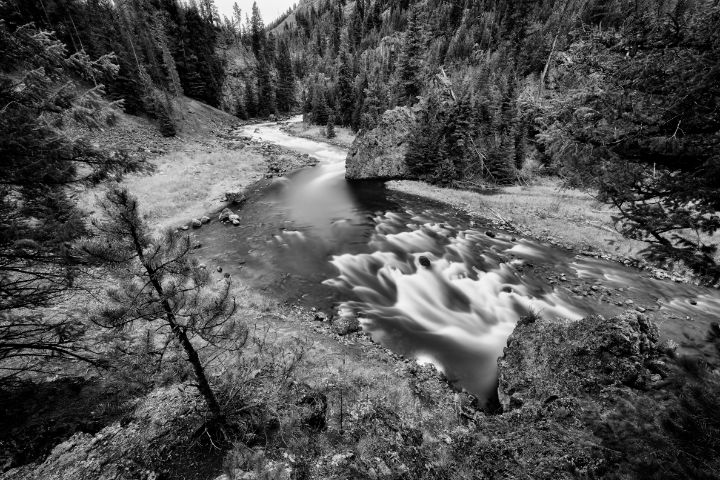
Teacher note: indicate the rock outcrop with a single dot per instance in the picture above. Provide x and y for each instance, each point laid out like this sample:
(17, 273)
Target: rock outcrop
(558, 380)
(546, 361)
(380, 153)
(124, 450)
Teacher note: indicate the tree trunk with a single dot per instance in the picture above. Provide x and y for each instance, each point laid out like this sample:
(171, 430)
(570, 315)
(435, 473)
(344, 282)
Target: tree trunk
(194, 359)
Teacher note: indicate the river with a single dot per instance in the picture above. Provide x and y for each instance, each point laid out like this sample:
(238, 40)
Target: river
(426, 281)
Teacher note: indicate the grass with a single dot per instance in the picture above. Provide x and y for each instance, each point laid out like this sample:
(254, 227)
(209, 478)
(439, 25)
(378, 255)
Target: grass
(344, 137)
(543, 210)
(189, 184)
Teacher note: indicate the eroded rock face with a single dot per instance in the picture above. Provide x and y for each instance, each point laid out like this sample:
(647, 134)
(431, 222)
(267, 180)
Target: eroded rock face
(380, 153)
(123, 450)
(546, 361)
(557, 380)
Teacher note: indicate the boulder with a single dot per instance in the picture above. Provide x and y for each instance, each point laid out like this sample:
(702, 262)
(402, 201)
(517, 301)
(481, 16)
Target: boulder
(380, 153)
(236, 198)
(225, 215)
(584, 360)
(345, 324)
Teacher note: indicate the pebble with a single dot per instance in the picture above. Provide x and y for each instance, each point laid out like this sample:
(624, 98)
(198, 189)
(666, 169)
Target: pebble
(219, 269)
(629, 302)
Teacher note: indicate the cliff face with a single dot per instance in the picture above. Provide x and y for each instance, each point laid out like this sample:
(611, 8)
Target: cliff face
(380, 153)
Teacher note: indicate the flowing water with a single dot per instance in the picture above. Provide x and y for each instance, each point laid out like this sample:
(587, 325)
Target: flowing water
(425, 280)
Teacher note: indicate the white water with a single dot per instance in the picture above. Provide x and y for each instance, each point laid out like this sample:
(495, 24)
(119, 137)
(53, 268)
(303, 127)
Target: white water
(421, 281)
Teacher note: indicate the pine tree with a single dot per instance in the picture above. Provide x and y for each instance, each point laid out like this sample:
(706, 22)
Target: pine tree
(409, 67)
(330, 127)
(250, 103)
(286, 80)
(320, 109)
(345, 91)
(375, 103)
(257, 31)
(160, 283)
(39, 95)
(266, 90)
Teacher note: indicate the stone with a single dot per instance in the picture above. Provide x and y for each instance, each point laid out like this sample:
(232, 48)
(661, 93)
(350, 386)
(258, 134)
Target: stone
(345, 324)
(205, 219)
(424, 261)
(380, 153)
(184, 228)
(219, 269)
(225, 215)
(595, 354)
(235, 197)
(196, 223)
(234, 218)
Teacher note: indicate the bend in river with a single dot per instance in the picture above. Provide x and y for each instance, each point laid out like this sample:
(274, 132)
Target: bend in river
(424, 279)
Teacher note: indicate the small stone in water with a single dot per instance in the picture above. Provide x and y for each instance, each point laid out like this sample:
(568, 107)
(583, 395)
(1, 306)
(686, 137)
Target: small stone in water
(424, 261)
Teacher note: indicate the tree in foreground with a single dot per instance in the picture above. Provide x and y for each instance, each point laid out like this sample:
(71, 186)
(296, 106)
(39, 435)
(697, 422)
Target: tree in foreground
(161, 286)
(651, 141)
(40, 165)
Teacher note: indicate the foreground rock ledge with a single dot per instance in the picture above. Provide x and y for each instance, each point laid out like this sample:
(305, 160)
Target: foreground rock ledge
(379, 154)
(555, 379)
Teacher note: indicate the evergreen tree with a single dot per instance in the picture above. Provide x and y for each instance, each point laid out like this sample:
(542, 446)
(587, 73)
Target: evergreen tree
(345, 90)
(410, 61)
(159, 283)
(320, 109)
(250, 102)
(40, 92)
(286, 80)
(266, 90)
(374, 104)
(330, 126)
(257, 31)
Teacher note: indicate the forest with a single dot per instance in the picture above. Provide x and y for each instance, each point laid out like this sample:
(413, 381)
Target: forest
(101, 311)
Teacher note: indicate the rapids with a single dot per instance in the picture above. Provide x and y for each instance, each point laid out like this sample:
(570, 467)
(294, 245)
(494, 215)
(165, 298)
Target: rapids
(425, 280)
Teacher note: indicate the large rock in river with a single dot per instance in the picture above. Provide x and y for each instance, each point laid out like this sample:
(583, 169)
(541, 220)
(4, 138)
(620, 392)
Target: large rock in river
(380, 153)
